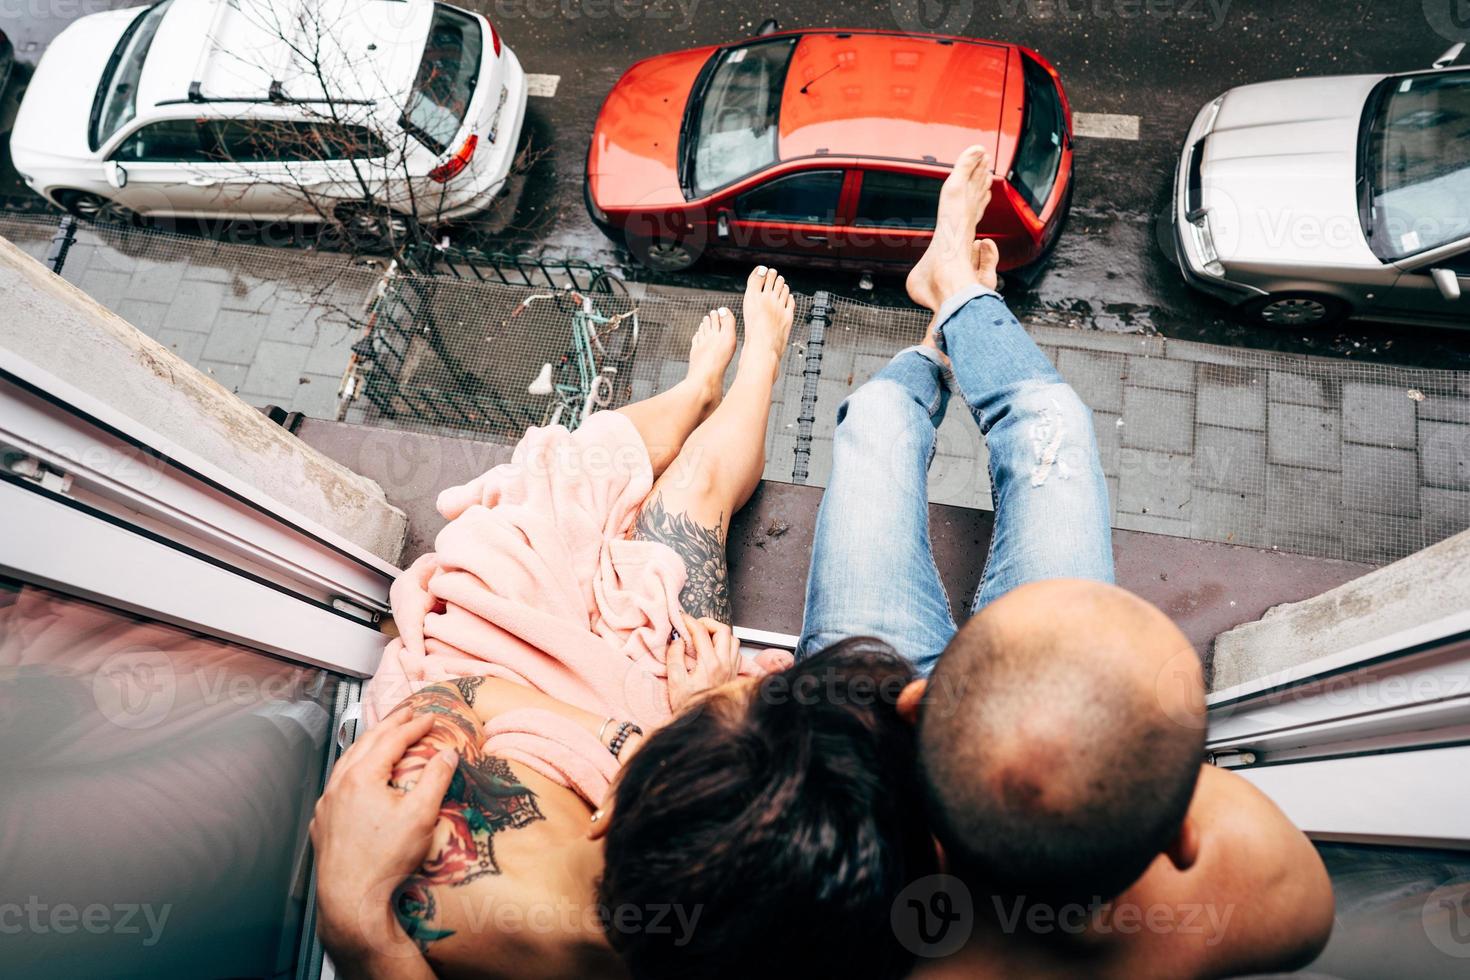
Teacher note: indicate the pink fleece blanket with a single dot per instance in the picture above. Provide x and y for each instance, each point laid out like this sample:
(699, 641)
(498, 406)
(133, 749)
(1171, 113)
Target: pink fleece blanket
(534, 581)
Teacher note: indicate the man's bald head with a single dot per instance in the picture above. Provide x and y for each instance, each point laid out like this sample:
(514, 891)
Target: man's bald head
(1060, 741)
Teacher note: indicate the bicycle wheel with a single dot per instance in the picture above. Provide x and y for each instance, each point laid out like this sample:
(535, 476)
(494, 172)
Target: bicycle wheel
(620, 342)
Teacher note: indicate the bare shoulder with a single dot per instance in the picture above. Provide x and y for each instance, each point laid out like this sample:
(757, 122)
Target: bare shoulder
(1257, 898)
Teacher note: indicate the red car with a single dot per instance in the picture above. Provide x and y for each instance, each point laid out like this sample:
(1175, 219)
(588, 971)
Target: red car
(827, 147)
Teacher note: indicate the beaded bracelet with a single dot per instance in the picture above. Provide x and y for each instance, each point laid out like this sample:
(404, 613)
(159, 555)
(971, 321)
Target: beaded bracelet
(620, 737)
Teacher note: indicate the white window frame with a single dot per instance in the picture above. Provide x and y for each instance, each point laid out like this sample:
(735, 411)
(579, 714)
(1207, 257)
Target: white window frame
(1368, 745)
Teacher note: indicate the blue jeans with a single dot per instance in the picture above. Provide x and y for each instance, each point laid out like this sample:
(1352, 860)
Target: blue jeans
(872, 571)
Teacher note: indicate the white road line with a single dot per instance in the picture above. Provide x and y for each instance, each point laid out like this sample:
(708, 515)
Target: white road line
(1101, 125)
(543, 86)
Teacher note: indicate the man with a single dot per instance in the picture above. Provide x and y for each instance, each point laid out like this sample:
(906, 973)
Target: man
(1061, 734)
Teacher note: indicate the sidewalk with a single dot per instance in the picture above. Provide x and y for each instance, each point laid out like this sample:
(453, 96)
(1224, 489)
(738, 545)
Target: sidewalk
(1313, 456)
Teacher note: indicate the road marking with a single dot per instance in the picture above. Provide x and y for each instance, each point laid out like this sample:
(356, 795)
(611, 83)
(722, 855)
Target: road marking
(544, 86)
(1101, 125)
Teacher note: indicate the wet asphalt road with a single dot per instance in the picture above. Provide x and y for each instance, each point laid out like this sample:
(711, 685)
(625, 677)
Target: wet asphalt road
(1160, 60)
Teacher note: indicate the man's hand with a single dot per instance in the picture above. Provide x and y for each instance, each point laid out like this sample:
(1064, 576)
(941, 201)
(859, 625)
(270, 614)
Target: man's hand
(368, 837)
(715, 651)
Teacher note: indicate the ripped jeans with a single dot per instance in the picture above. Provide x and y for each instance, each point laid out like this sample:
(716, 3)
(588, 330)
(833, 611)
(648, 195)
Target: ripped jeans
(872, 571)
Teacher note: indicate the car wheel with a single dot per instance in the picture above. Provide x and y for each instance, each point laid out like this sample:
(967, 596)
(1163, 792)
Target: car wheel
(664, 256)
(1297, 310)
(367, 227)
(95, 207)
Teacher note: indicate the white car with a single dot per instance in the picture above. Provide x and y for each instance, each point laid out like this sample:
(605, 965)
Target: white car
(1307, 200)
(367, 111)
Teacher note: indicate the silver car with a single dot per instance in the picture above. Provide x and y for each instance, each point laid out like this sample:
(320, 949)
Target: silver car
(1304, 201)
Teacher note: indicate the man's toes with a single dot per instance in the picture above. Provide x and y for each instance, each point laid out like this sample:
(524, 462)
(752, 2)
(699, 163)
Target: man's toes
(975, 254)
(969, 160)
(757, 278)
(987, 255)
(771, 277)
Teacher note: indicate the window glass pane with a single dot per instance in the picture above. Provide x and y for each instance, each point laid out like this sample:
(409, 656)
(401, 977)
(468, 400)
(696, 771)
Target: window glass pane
(171, 141)
(157, 788)
(897, 200)
(1039, 153)
(809, 197)
(735, 127)
(446, 79)
(291, 141)
(1401, 912)
(116, 101)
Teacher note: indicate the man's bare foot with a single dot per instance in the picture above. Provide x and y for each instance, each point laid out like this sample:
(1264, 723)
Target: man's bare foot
(768, 311)
(985, 257)
(951, 262)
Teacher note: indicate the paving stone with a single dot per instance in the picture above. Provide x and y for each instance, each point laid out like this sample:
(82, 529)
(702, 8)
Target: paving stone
(250, 294)
(185, 343)
(156, 281)
(146, 316)
(294, 322)
(1123, 343)
(235, 337)
(1161, 372)
(1300, 389)
(1301, 435)
(1234, 397)
(194, 305)
(1096, 377)
(1444, 454)
(1155, 483)
(1227, 515)
(1380, 538)
(1109, 439)
(1379, 415)
(1230, 459)
(1162, 421)
(105, 286)
(333, 348)
(1380, 480)
(1152, 524)
(1113, 495)
(1304, 511)
(1444, 408)
(276, 369)
(230, 376)
(316, 396)
(1444, 512)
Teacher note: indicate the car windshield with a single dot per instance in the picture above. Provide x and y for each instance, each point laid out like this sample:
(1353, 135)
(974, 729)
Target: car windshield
(1044, 127)
(1416, 164)
(734, 115)
(446, 79)
(116, 102)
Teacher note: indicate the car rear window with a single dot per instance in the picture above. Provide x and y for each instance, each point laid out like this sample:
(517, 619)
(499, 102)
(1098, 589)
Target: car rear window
(1043, 130)
(116, 101)
(446, 79)
(891, 200)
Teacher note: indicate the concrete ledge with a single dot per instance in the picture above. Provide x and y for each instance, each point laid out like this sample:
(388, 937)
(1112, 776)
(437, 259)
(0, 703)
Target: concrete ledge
(1413, 590)
(62, 331)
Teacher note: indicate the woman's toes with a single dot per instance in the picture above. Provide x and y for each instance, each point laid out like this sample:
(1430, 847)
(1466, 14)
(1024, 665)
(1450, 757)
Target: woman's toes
(757, 278)
(771, 277)
(725, 320)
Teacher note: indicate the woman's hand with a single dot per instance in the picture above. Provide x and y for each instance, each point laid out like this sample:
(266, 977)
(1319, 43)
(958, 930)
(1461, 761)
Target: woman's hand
(368, 837)
(715, 653)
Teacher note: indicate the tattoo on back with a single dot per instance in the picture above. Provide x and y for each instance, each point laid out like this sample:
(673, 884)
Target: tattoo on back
(467, 687)
(707, 588)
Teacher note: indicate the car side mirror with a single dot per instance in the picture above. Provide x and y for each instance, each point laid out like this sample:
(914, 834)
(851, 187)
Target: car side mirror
(1451, 56)
(768, 26)
(722, 224)
(116, 175)
(1448, 282)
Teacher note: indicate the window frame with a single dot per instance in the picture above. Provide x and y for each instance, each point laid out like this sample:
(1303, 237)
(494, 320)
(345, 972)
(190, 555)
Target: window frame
(832, 221)
(867, 172)
(1392, 713)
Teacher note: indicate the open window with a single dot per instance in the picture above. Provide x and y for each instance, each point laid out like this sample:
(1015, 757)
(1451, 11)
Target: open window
(177, 655)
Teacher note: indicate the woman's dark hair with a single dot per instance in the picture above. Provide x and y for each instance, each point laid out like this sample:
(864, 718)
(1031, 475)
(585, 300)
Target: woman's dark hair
(770, 838)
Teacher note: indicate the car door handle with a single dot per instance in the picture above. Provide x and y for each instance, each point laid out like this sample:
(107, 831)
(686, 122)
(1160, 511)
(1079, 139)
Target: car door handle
(202, 182)
(816, 238)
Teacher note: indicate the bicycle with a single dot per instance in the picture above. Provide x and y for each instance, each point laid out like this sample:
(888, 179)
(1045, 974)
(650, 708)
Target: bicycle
(581, 382)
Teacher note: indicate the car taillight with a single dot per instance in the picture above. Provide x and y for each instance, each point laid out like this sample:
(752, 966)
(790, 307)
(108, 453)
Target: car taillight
(494, 39)
(461, 159)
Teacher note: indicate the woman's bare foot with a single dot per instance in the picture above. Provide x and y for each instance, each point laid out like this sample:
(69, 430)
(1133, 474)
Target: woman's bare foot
(952, 260)
(768, 311)
(709, 355)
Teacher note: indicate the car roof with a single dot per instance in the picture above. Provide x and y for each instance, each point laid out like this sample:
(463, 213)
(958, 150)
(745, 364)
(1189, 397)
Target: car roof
(895, 96)
(235, 49)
